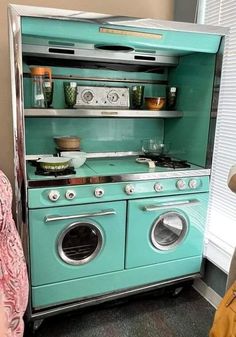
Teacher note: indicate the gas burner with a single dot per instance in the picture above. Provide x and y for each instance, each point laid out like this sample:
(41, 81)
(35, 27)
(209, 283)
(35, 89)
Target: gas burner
(67, 171)
(168, 162)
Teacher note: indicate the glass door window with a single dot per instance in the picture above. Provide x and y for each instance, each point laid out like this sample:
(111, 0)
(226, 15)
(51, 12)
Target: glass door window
(80, 243)
(168, 230)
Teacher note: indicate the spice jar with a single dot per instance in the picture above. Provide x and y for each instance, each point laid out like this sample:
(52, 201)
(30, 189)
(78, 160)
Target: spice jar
(171, 96)
(40, 76)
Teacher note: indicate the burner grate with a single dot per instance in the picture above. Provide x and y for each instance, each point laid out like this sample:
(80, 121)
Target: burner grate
(168, 162)
(67, 171)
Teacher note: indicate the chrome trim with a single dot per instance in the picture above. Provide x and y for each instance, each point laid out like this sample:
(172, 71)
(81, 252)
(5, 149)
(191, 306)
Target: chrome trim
(116, 20)
(118, 112)
(214, 103)
(112, 154)
(104, 79)
(42, 312)
(18, 114)
(184, 230)
(151, 208)
(72, 226)
(91, 155)
(78, 216)
(20, 176)
(72, 180)
(170, 25)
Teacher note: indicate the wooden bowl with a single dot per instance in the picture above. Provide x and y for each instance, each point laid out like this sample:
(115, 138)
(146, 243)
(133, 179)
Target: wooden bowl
(155, 103)
(67, 143)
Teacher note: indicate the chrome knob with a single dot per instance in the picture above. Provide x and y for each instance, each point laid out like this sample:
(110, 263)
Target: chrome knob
(54, 195)
(99, 192)
(129, 189)
(158, 187)
(70, 195)
(193, 183)
(180, 184)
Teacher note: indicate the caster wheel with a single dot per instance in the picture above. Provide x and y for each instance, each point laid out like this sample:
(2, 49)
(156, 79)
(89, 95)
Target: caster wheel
(177, 291)
(31, 327)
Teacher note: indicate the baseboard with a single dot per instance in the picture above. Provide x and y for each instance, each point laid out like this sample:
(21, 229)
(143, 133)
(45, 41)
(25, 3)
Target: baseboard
(208, 293)
(218, 252)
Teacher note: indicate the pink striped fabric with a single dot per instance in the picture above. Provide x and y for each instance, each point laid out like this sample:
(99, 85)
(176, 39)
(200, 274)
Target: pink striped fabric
(13, 272)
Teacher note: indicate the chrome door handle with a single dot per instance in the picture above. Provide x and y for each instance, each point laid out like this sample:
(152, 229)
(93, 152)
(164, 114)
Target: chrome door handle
(151, 208)
(78, 216)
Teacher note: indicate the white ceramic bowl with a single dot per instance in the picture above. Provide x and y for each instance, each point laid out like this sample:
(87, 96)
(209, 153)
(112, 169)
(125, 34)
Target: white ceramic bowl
(77, 158)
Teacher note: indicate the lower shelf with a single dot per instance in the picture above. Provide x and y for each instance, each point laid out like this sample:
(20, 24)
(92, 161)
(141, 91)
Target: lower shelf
(101, 113)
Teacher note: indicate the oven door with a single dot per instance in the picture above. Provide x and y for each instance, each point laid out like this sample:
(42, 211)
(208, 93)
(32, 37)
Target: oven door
(165, 229)
(76, 241)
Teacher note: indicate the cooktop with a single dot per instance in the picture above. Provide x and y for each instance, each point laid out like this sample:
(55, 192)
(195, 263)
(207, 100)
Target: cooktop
(117, 169)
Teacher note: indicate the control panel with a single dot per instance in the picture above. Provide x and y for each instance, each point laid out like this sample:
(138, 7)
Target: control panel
(82, 194)
(103, 97)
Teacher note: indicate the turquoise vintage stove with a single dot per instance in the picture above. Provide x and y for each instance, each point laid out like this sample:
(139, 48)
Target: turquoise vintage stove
(143, 227)
(114, 227)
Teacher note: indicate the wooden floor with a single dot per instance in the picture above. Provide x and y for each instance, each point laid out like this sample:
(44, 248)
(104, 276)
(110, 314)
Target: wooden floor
(152, 315)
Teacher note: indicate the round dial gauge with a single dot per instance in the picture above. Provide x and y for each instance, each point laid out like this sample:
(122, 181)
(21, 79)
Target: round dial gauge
(87, 96)
(113, 97)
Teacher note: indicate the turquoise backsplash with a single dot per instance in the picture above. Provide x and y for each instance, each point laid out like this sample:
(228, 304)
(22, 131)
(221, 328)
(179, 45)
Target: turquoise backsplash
(97, 134)
(194, 77)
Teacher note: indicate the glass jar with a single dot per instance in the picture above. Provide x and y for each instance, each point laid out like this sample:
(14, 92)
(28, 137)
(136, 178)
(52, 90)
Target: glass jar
(39, 75)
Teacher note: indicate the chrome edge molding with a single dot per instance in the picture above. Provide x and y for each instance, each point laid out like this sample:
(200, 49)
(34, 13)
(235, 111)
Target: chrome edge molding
(144, 23)
(118, 112)
(17, 107)
(70, 180)
(15, 43)
(104, 79)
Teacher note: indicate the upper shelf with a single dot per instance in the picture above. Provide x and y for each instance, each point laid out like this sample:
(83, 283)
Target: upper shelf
(101, 113)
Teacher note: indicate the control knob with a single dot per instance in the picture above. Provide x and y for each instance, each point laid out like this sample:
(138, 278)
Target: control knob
(193, 183)
(129, 189)
(70, 194)
(180, 184)
(53, 195)
(112, 96)
(99, 192)
(87, 96)
(158, 187)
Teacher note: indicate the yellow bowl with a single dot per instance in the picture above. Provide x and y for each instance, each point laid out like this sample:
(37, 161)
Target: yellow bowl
(155, 103)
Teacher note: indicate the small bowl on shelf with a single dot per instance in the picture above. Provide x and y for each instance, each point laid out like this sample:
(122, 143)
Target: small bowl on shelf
(155, 103)
(77, 158)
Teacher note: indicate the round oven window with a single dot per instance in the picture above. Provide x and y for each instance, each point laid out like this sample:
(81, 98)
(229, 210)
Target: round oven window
(79, 243)
(168, 230)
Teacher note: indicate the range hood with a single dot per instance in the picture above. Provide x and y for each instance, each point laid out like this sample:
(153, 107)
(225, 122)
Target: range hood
(98, 54)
